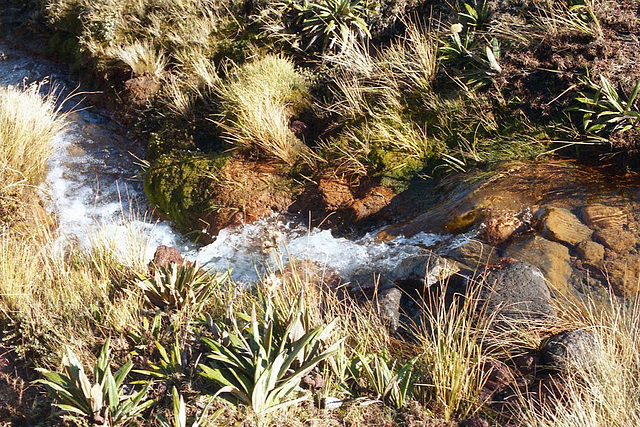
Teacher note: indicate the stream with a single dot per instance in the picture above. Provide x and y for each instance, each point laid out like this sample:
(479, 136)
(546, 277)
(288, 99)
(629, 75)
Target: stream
(92, 189)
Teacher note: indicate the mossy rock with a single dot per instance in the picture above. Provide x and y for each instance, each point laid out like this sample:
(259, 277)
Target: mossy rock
(180, 185)
(395, 167)
(210, 192)
(176, 135)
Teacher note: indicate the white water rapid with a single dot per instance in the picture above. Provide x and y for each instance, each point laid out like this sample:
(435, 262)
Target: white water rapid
(91, 190)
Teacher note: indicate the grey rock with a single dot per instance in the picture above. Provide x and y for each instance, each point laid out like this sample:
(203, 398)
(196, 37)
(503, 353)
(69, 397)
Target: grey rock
(570, 350)
(474, 254)
(425, 269)
(551, 258)
(518, 291)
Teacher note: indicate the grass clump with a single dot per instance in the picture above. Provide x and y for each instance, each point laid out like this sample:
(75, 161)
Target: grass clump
(603, 391)
(28, 124)
(258, 101)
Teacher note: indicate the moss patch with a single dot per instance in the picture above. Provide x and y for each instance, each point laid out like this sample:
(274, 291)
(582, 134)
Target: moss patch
(180, 186)
(206, 192)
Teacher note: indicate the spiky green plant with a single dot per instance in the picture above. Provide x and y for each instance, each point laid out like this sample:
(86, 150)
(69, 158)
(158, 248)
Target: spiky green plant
(604, 110)
(170, 367)
(390, 382)
(476, 13)
(180, 414)
(329, 21)
(103, 402)
(180, 287)
(261, 363)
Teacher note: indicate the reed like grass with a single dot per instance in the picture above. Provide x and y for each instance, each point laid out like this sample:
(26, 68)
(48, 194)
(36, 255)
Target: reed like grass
(258, 101)
(605, 389)
(28, 124)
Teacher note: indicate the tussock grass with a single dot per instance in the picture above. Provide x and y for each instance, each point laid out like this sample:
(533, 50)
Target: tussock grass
(380, 93)
(605, 390)
(55, 297)
(258, 100)
(142, 57)
(28, 124)
(455, 348)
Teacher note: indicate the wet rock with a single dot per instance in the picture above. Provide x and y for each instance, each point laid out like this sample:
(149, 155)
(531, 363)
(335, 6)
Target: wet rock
(623, 273)
(474, 254)
(518, 291)
(590, 252)
(423, 270)
(600, 216)
(389, 306)
(562, 226)
(371, 203)
(500, 225)
(617, 240)
(166, 255)
(335, 194)
(569, 350)
(551, 258)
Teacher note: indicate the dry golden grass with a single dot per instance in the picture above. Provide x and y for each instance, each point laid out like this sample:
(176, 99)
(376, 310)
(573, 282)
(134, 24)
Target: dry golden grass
(28, 124)
(142, 57)
(258, 100)
(604, 391)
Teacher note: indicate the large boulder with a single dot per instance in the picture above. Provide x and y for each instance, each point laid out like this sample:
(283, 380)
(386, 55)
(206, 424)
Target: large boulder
(570, 350)
(518, 291)
(551, 258)
(562, 226)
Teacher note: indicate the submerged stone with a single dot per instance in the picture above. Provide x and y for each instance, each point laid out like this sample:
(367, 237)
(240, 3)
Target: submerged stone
(562, 226)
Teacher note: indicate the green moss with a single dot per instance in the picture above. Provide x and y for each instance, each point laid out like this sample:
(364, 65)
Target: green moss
(180, 185)
(161, 143)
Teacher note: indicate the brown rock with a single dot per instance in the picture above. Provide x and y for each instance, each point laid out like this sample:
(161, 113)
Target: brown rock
(371, 203)
(166, 255)
(139, 90)
(562, 226)
(335, 194)
(601, 216)
(623, 274)
(550, 257)
(616, 239)
(499, 226)
(475, 254)
(590, 252)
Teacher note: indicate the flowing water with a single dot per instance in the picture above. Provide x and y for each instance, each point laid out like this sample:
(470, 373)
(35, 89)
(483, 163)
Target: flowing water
(91, 189)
